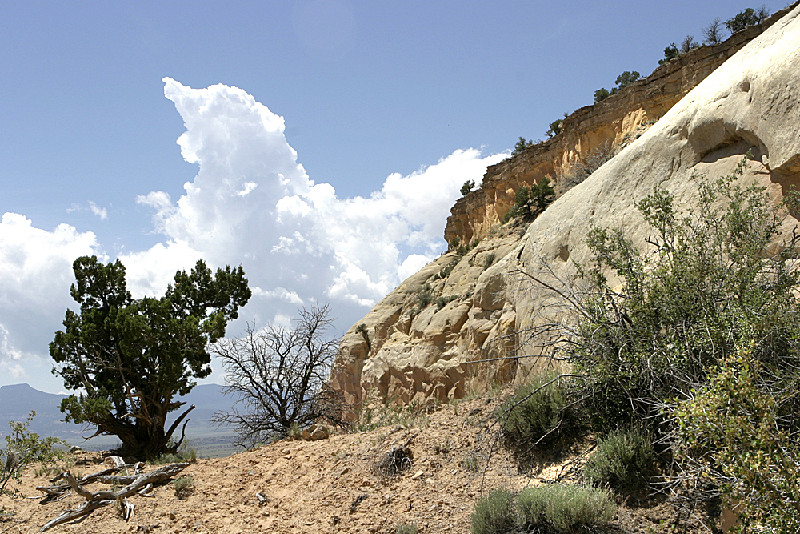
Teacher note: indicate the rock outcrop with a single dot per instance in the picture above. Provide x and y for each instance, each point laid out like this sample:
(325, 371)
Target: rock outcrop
(460, 320)
(589, 132)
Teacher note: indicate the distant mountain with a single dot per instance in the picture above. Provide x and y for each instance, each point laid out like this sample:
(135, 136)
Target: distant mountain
(16, 402)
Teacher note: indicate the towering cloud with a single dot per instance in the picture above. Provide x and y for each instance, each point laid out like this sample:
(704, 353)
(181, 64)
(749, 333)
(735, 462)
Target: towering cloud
(251, 202)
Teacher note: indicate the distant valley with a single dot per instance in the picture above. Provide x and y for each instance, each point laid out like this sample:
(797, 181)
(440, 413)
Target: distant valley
(16, 402)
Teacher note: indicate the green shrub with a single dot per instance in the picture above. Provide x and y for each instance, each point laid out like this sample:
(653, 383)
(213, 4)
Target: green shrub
(714, 279)
(406, 528)
(467, 187)
(494, 514)
(625, 79)
(669, 336)
(624, 460)
(670, 53)
(441, 302)
(184, 454)
(555, 128)
(748, 17)
(601, 94)
(424, 297)
(522, 145)
(731, 432)
(564, 509)
(529, 202)
(533, 415)
(24, 447)
(184, 486)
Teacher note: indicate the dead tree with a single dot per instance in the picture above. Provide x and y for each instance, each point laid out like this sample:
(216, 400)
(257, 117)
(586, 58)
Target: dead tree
(277, 375)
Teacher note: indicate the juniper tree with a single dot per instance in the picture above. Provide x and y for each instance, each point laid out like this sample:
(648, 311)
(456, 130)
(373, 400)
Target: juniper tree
(130, 358)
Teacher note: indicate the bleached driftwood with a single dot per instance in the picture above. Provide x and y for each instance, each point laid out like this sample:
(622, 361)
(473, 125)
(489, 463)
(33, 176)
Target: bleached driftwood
(98, 499)
(106, 476)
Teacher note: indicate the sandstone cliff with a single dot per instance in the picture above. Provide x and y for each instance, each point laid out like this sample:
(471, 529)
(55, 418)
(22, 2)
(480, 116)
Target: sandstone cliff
(611, 123)
(431, 337)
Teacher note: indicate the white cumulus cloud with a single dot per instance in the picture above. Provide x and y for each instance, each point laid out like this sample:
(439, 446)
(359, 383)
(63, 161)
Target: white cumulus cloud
(253, 203)
(35, 274)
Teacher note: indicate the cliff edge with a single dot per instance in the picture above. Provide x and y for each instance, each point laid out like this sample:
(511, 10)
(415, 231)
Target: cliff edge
(591, 133)
(460, 322)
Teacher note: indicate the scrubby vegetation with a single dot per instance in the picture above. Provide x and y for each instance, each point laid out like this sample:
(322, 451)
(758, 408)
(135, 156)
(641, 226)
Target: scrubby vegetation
(494, 514)
(556, 509)
(623, 80)
(555, 127)
(406, 528)
(695, 340)
(467, 187)
(670, 52)
(713, 33)
(563, 509)
(24, 448)
(183, 486)
(529, 202)
(748, 17)
(535, 415)
(624, 461)
(522, 145)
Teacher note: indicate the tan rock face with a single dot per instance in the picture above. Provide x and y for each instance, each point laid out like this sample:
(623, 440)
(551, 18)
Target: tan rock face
(429, 338)
(614, 122)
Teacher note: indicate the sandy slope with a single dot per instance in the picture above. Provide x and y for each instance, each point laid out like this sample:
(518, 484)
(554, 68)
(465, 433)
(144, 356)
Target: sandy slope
(330, 485)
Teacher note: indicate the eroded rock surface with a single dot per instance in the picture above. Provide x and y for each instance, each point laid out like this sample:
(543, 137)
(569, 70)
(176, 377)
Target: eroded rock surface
(588, 131)
(429, 339)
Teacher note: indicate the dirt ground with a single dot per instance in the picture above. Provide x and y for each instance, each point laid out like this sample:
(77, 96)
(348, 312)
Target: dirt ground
(331, 485)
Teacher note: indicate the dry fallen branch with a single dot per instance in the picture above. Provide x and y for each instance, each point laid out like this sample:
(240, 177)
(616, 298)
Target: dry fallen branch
(98, 499)
(106, 476)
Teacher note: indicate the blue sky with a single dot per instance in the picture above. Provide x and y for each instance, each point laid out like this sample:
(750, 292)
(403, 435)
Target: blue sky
(324, 156)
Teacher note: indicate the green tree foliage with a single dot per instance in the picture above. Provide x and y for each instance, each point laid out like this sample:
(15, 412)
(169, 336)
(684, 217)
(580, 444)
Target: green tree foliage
(563, 509)
(467, 187)
(131, 357)
(625, 79)
(522, 145)
(624, 460)
(554, 128)
(494, 514)
(748, 17)
(601, 94)
(699, 339)
(670, 53)
(535, 415)
(529, 202)
(733, 431)
(714, 279)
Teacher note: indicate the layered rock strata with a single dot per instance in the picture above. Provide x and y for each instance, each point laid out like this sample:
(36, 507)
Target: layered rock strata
(606, 125)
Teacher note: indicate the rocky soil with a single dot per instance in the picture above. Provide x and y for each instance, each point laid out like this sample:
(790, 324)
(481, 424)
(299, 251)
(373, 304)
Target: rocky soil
(333, 485)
